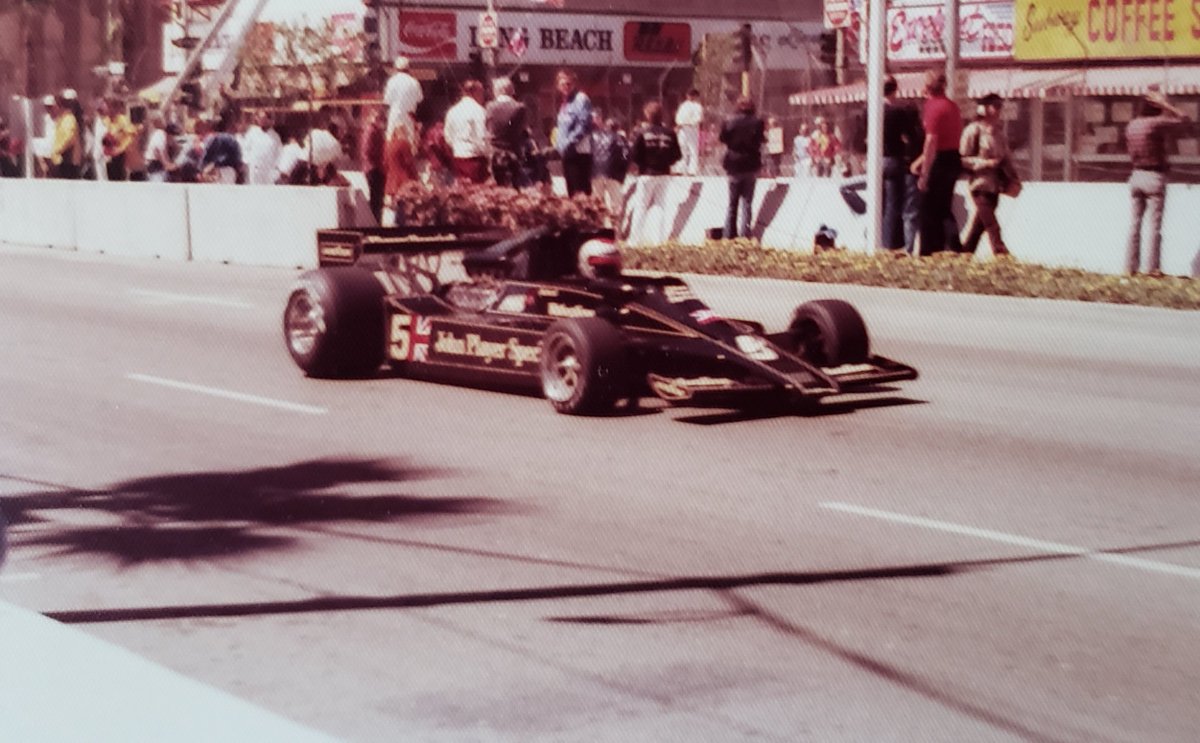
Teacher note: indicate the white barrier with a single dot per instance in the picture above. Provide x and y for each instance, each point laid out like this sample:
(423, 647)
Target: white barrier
(142, 220)
(1080, 225)
(40, 213)
(262, 225)
(61, 684)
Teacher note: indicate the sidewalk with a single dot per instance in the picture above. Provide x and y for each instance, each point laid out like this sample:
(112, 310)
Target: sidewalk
(58, 684)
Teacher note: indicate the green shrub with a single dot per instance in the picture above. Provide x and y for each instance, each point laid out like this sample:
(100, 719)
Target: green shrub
(946, 272)
(490, 205)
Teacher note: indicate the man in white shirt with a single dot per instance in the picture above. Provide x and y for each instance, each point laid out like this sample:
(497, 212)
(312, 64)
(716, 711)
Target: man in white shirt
(402, 94)
(321, 150)
(466, 134)
(262, 146)
(687, 125)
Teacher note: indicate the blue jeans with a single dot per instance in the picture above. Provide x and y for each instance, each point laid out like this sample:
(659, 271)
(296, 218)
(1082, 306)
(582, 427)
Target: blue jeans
(741, 193)
(1147, 188)
(912, 213)
(894, 197)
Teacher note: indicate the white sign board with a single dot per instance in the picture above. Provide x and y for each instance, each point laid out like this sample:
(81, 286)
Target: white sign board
(915, 31)
(489, 30)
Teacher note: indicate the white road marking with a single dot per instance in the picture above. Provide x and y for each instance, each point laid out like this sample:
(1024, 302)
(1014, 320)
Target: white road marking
(19, 577)
(1019, 541)
(172, 298)
(229, 394)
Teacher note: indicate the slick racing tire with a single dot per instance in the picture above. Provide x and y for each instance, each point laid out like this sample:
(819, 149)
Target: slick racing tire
(333, 323)
(583, 366)
(829, 332)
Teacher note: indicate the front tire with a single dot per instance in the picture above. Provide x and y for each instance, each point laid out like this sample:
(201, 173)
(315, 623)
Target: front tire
(334, 323)
(829, 333)
(584, 366)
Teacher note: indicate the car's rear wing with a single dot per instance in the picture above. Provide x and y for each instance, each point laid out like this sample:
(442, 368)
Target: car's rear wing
(346, 246)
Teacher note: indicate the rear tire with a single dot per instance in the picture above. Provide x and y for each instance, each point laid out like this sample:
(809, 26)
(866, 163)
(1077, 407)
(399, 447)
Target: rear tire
(584, 366)
(829, 332)
(334, 323)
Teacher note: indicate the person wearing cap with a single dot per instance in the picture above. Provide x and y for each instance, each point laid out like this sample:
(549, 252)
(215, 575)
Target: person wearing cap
(940, 164)
(507, 131)
(65, 147)
(119, 136)
(984, 151)
(1146, 139)
(402, 94)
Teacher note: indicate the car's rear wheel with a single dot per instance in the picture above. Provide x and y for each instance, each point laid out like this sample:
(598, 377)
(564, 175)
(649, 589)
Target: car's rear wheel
(829, 332)
(584, 366)
(333, 323)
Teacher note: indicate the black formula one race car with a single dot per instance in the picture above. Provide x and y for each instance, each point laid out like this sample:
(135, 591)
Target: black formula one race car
(553, 310)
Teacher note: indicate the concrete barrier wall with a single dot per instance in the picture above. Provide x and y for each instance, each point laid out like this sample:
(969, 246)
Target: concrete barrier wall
(40, 213)
(261, 225)
(143, 220)
(1081, 225)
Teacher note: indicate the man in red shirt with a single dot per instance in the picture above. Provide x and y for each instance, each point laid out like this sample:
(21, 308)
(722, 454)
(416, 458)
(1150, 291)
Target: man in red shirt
(1146, 140)
(941, 164)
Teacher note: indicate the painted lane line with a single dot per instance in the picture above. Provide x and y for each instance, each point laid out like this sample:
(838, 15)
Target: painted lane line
(228, 394)
(172, 298)
(19, 577)
(1137, 563)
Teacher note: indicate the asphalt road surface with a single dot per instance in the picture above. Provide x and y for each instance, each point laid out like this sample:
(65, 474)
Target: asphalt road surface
(1007, 549)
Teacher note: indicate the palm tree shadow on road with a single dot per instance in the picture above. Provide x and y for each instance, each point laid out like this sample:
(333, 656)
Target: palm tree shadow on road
(223, 515)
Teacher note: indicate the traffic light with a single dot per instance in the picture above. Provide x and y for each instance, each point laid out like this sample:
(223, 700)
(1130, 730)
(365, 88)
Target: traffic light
(372, 54)
(475, 64)
(189, 95)
(829, 48)
(745, 46)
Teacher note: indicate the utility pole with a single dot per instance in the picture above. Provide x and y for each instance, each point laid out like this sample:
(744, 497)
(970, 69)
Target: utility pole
(876, 31)
(950, 36)
(746, 48)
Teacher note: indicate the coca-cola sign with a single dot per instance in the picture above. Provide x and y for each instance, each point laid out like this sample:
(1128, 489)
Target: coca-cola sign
(658, 42)
(426, 35)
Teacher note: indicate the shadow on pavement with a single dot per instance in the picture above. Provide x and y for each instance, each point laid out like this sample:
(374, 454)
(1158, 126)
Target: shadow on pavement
(221, 514)
(817, 409)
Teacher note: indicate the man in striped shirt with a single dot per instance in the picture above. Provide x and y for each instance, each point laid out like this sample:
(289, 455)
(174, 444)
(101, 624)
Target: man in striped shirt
(1146, 141)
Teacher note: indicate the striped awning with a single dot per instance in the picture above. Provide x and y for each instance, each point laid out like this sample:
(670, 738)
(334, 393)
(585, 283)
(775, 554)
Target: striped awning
(1174, 80)
(1012, 82)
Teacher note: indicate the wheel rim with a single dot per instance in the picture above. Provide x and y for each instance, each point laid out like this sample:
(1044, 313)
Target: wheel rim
(560, 369)
(810, 343)
(305, 323)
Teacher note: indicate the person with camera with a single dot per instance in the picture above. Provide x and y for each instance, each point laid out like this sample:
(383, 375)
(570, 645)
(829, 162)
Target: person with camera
(984, 150)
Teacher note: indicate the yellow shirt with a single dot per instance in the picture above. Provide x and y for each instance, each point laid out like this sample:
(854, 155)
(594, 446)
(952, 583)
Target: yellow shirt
(66, 139)
(120, 134)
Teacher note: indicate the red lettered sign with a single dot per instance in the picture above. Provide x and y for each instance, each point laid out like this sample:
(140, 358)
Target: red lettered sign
(658, 42)
(426, 35)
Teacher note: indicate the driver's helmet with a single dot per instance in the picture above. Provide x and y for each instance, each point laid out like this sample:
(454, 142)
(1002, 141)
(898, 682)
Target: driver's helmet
(599, 259)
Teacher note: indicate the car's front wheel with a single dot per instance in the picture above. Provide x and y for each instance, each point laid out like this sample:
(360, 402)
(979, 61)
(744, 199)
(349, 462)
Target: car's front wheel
(829, 332)
(333, 323)
(584, 365)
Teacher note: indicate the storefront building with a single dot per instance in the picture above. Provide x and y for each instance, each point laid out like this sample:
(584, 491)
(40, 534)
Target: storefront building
(623, 59)
(1073, 72)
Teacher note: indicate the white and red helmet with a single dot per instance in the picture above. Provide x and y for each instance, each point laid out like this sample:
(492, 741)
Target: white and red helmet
(599, 259)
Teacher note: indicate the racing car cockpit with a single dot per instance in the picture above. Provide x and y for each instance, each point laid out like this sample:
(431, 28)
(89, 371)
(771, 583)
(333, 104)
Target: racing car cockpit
(542, 254)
